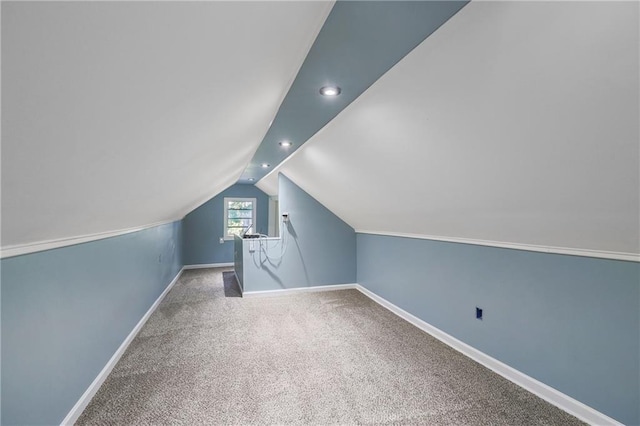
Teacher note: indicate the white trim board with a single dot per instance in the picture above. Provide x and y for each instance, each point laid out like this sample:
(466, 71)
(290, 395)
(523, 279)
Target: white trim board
(549, 394)
(629, 257)
(298, 290)
(19, 249)
(208, 265)
(86, 397)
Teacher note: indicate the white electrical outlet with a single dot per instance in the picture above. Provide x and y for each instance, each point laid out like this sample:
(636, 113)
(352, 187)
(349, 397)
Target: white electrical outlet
(221, 240)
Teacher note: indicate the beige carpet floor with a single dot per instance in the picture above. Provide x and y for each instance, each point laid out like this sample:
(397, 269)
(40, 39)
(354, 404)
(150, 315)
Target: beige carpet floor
(317, 358)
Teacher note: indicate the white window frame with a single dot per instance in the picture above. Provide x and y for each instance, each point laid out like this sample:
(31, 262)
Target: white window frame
(226, 212)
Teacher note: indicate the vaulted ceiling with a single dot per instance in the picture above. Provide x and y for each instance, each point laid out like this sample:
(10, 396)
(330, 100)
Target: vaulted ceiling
(124, 114)
(514, 122)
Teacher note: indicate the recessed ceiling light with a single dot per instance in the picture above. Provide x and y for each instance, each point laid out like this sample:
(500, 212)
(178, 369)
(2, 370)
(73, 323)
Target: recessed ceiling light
(264, 165)
(251, 179)
(285, 144)
(330, 91)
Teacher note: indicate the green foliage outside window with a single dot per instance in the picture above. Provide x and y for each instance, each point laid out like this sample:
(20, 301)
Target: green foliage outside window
(239, 216)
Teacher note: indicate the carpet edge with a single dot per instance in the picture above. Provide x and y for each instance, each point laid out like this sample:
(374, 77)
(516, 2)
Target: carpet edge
(93, 388)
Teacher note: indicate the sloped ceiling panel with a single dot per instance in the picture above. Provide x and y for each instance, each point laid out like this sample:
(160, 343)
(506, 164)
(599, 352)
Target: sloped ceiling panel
(123, 114)
(359, 42)
(515, 122)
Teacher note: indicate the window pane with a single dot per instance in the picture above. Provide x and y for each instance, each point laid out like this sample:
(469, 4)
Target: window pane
(238, 223)
(240, 205)
(235, 231)
(240, 214)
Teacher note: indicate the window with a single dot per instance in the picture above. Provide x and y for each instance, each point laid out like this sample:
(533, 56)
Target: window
(239, 216)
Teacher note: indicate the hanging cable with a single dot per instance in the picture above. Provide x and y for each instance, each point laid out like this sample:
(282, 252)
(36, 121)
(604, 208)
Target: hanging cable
(264, 245)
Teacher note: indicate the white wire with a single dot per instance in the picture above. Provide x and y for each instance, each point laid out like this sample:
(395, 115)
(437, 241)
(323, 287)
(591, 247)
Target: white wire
(265, 249)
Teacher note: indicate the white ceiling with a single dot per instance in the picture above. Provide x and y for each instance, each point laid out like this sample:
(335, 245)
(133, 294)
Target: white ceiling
(123, 114)
(515, 122)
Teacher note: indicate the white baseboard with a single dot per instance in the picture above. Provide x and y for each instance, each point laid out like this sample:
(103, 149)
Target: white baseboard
(84, 400)
(297, 290)
(208, 265)
(549, 394)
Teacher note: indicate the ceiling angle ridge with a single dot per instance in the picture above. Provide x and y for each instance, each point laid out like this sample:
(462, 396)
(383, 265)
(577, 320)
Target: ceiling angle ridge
(309, 44)
(571, 251)
(38, 246)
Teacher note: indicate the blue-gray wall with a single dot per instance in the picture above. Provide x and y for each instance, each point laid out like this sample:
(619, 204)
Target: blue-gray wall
(204, 226)
(320, 247)
(237, 260)
(66, 311)
(570, 322)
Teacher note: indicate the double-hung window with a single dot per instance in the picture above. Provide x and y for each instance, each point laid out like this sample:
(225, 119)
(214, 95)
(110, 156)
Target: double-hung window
(239, 216)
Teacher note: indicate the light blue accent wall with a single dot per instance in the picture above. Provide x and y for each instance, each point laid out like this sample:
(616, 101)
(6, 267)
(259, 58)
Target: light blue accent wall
(66, 311)
(204, 226)
(570, 322)
(320, 247)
